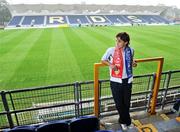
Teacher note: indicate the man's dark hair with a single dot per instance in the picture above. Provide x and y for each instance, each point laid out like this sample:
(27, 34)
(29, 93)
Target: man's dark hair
(123, 36)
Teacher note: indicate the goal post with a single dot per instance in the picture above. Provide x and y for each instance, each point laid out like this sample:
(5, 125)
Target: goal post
(159, 60)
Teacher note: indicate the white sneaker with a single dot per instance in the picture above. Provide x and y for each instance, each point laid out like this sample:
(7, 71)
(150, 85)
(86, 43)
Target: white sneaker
(124, 127)
(130, 126)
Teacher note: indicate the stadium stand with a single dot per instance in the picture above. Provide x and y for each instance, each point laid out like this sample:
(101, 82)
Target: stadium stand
(71, 20)
(44, 15)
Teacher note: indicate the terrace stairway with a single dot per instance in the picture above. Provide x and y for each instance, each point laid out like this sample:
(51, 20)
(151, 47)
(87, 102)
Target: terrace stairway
(161, 122)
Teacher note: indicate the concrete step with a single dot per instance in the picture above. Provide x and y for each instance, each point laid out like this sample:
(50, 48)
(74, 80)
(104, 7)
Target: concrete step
(151, 124)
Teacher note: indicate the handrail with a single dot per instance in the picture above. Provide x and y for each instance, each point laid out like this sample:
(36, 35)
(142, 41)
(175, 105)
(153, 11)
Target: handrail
(160, 61)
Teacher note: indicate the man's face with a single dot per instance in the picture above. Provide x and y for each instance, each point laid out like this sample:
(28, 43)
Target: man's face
(120, 43)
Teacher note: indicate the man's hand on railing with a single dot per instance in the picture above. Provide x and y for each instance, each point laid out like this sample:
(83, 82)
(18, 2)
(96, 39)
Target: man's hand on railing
(134, 64)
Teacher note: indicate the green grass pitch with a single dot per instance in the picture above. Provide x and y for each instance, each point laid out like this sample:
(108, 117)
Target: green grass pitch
(39, 57)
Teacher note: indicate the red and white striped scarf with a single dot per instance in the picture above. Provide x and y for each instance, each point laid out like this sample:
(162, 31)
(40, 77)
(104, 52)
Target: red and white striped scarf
(118, 61)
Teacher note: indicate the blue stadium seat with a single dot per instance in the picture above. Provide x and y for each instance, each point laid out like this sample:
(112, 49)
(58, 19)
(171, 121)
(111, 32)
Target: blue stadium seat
(104, 131)
(84, 124)
(98, 19)
(22, 129)
(36, 20)
(55, 126)
(115, 19)
(15, 21)
(75, 19)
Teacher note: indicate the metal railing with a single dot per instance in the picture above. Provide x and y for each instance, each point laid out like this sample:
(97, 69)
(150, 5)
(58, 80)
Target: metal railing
(153, 100)
(42, 104)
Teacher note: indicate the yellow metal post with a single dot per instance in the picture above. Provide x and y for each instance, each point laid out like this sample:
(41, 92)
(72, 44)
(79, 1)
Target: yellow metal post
(96, 91)
(160, 61)
(156, 85)
(96, 88)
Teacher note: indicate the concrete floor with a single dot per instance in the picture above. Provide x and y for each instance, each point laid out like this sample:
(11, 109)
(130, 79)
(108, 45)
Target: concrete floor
(162, 121)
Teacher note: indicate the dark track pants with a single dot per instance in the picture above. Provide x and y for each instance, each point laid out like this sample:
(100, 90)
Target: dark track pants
(122, 96)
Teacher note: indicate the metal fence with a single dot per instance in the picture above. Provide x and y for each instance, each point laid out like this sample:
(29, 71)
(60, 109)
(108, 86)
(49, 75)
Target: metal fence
(42, 104)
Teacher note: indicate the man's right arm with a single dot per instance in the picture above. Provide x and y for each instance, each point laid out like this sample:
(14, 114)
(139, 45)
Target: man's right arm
(106, 62)
(107, 58)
